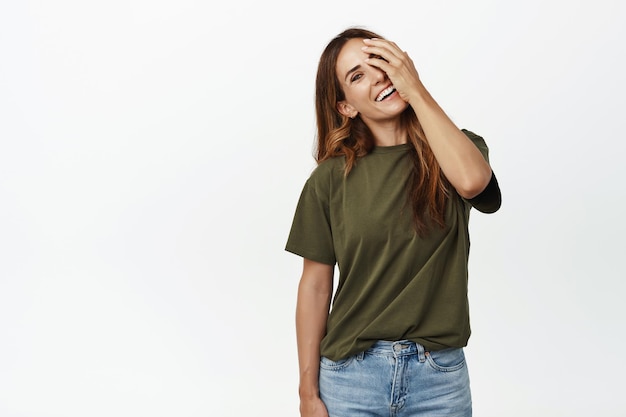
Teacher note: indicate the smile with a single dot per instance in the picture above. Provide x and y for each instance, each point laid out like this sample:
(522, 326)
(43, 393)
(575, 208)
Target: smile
(386, 93)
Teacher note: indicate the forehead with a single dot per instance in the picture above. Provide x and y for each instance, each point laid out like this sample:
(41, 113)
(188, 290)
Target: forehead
(350, 55)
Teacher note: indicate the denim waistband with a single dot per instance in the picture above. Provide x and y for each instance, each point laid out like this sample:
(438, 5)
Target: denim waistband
(396, 349)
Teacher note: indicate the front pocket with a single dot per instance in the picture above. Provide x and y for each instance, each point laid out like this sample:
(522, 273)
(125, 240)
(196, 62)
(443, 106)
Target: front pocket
(331, 365)
(446, 360)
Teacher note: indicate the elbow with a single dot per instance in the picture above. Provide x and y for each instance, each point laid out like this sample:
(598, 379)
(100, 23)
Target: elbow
(473, 185)
(490, 199)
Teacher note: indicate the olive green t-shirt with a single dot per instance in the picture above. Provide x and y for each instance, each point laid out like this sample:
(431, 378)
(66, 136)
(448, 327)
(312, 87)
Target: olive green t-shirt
(393, 284)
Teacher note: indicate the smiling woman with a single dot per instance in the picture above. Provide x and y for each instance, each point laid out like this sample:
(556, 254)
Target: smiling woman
(395, 336)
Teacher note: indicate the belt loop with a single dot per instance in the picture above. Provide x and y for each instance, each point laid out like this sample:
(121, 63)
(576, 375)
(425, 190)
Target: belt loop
(360, 356)
(421, 353)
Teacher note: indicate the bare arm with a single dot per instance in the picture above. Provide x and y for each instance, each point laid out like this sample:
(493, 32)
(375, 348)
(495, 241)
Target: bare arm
(314, 293)
(461, 162)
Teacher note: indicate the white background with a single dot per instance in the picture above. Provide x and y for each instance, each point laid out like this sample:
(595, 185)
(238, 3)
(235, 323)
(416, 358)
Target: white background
(152, 153)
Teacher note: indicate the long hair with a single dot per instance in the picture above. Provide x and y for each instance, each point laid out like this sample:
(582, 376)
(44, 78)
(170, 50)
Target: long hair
(339, 135)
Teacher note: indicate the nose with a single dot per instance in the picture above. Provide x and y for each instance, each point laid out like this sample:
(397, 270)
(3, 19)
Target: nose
(378, 75)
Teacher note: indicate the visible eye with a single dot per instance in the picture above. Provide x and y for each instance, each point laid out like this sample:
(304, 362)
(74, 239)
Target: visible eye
(356, 77)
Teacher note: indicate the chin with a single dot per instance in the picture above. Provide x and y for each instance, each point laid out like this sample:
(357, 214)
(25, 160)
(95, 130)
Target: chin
(401, 108)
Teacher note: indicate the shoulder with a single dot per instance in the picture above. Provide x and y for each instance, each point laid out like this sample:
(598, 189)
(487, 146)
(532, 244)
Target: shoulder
(327, 173)
(478, 141)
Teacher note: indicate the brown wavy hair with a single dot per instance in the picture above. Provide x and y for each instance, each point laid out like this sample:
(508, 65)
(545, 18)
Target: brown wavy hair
(338, 135)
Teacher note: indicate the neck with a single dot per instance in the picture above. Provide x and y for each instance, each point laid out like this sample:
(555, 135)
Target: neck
(391, 134)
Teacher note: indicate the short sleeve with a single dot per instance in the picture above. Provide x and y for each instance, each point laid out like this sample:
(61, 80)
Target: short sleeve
(311, 234)
(490, 199)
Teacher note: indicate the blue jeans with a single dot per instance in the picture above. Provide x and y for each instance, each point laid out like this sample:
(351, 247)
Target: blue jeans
(397, 379)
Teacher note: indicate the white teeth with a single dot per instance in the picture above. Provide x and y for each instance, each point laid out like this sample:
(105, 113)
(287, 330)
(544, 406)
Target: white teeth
(386, 92)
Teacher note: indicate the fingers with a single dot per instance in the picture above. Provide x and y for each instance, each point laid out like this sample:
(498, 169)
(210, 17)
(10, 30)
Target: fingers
(392, 56)
(380, 63)
(386, 49)
(395, 63)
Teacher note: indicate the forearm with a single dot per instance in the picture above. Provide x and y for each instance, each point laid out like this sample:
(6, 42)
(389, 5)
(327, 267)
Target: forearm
(461, 161)
(311, 314)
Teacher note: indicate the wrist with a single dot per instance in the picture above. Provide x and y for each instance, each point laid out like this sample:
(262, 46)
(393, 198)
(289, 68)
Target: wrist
(420, 97)
(308, 393)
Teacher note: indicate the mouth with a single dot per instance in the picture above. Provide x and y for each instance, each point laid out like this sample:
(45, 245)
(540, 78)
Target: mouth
(385, 93)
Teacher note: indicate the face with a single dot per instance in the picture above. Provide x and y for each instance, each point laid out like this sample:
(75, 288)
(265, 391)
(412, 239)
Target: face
(368, 92)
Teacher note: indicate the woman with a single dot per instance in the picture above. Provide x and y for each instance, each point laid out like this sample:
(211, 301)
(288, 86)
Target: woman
(388, 203)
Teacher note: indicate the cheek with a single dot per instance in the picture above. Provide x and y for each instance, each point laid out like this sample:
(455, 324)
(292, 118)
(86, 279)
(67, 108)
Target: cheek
(356, 95)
